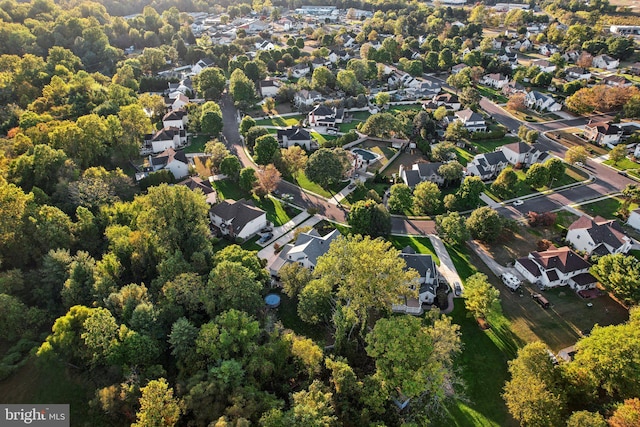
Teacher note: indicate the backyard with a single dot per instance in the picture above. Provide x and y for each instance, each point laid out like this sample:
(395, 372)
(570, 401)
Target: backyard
(197, 144)
(281, 121)
(421, 245)
(606, 208)
(382, 149)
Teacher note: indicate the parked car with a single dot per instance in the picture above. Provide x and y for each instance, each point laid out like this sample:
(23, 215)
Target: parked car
(266, 229)
(457, 289)
(518, 202)
(541, 300)
(351, 186)
(265, 238)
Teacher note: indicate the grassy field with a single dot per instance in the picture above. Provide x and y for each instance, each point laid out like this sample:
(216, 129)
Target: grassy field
(281, 121)
(605, 208)
(571, 176)
(276, 211)
(490, 145)
(322, 138)
(301, 179)
(463, 156)
(360, 192)
(197, 144)
(422, 245)
(623, 165)
(492, 94)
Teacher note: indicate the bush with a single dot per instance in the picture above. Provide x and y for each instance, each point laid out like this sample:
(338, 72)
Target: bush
(482, 136)
(536, 219)
(157, 178)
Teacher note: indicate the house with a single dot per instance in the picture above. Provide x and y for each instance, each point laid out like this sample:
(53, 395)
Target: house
(268, 88)
(184, 86)
(556, 267)
(496, 44)
(309, 246)
(495, 80)
(487, 165)
(175, 119)
(202, 64)
(524, 154)
(174, 161)
(427, 282)
(598, 236)
(577, 73)
(510, 57)
(571, 55)
(548, 49)
(473, 121)
(606, 62)
(196, 183)
(420, 172)
(634, 219)
(180, 102)
(339, 55)
(540, 101)
(294, 136)
(170, 137)
(457, 68)
(264, 45)
(319, 62)
(322, 115)
(237, 220)
(544, 65)
(603, 133)
(616, 81)
(449, 100)
(306, 98)
(512, 87)
(300, 70)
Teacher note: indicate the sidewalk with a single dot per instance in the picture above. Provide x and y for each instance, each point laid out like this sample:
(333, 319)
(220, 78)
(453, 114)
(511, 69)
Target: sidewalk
(446, 269)
(489, 201)
(268, 252)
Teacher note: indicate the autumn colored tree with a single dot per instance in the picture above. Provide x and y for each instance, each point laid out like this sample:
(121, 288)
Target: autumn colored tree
(516, 102)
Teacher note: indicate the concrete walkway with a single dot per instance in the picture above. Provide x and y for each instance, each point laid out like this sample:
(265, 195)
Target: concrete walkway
(493, 265)
(447, 269)
(268, 252)
(489, 201)
(286, 227)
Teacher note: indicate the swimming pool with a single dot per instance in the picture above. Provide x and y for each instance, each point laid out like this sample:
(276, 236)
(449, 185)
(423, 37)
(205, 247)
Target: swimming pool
(365, 155)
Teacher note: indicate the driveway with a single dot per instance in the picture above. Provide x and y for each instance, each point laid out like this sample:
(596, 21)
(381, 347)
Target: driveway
(494, 266)
(446, 269)
(286, 233)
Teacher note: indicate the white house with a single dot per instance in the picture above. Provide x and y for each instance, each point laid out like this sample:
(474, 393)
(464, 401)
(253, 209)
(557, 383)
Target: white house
(449, 100)
(577, 73)
(634, 219)
(556, 267)
(201, 65)
(420, 172)
(306, 98)
(159, 141)
(524, 154)
(320, 62)
(238, 220)
(264, 45)
(427, 282)
(309, 246)
(487, 165)
(196, 183)
(180, 102)
(495, 80)
(174, 161)
(603, 133)
(636, 153)
(300, 70)
(540, 101)
(616, 81)
(339, 55)
(175, 119)
(472, 121)
(544, 65)
(598, 236)
(269, 87)
(294, 136)
(325, 116)
(606, 62)
(548, 49)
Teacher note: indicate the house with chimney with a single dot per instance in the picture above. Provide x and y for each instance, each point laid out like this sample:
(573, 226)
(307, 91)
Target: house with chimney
(175, 119)
(487, 165)
(309, 246)
(541, 101)
(294, 136)
(495, 80)
(520, 153)
(323, 115)
(237, 219)
(169, 137)
(556, 267)
(603, 133)
(473, 122)
(174, 161)
(420, 172)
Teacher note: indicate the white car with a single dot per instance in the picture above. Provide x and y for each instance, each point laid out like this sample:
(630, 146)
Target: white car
(511, 281)
(518, 202)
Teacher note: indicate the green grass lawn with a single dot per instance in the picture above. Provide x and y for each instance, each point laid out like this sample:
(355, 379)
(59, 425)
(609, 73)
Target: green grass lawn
(346, 127)
(490, 145)
(492, 94)
(281, 121)
(276, 211)
(301, 179)
(406, 107)
(635, 253)
(605, 208)
(197, 144)
(422, 245)
(571, 176)
(463, 155)
(461, 260)
(322, 138)
(623, 165)
(287, 312)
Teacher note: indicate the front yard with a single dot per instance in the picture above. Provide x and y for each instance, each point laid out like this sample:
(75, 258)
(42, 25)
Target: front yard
(281, 121)
(630, 166)
(568, 139)
(606, 208)
(571, 176)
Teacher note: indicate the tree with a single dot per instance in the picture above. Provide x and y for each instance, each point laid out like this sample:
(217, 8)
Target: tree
(348, 82)
(217, 151)
(241, 88)
(322, 79)
(210, 83)
(382, 99)
(480, 296)
(135, 124)
(383, 125)
(253, 134)
(618, 153)
(470, 97)
(576, 154)
(619, 274)
(158, 406)
(294, 278)
(455, 132)
(231, 334)
(406, 357)
(230, 166)
(532, 395)
(443, 151)
(293, 159)
(452, 228)
(468, 194)
(516, 102)
(266, 149)
(440, 113)
(426, 198)
(505, 184)
(246, 123)
(367, 217)
(211, 118)
(556, 168)
(325, 167)
(232, 286)
(625, 415)
(400, 198)
(267, 180)
(537, 176)
(452, 172)
(485, 224)
(588, 419)
(314, 407)
(247, 179)
(632, 107)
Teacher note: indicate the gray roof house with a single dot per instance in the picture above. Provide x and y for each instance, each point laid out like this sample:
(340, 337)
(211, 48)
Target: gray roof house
(556, 267)
(238, 220)
(428, 282)
(294, 136)
(420, 172)
(473, 121)
(524, 154)
(306, 250)
(487, 165)
(598, 236)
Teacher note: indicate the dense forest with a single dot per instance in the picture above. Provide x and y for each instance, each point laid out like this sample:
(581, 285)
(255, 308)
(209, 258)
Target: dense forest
(123, 289)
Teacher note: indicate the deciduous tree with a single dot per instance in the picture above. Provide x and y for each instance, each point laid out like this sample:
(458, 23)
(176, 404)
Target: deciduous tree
(505, 184)
(367, 217)
(400, 198)
(266, 149)
(537, 176)
(325, 167)
(426, 198)
(619, 274)
(576, 154)
(485, 224)
(158, 406)
(267, 180)
(480, 296)
(618, 153)
(452, 228)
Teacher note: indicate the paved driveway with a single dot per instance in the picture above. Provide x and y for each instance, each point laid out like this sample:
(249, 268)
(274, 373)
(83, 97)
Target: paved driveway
(446, 269)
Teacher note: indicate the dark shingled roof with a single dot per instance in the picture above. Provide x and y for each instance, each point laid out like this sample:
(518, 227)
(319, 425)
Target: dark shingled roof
(169, 155)
(530, 266)
(601, 231)
(563, 259)
(518, 147)
(294, 134)
(174, 115)
(240, 213)
(428, 169)
(412, 178)
(422, 263)
(583, 279)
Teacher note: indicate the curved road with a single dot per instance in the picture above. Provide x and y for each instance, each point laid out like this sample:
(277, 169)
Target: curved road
(304, 199)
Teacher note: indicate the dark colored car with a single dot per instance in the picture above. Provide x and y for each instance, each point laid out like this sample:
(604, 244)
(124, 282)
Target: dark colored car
(265, 238)
(457, 289)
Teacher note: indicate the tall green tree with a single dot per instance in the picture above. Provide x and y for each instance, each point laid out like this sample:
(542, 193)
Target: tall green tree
(485, 224)
(537, 176)
(426, 198)
(452, 228)
(505, 184)
(266, 149)
(400, 198)
(242, 89)
(480, 297)
(211, 118)
(158, 406)
(367, 217)
(325, 167)
(232, 286)
(619, 274)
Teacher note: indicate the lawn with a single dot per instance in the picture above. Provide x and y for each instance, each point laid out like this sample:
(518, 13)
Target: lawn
(490, 145)
(571, 176)
(461, 260)
(623, 165)
(463, 155)
(606, 208)
(301, 179)
(635, 253)
(287, 312)
(322, 138)
(422, 245)
(277, 213)
(492, 94)
(280, 121)
(197, 144)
